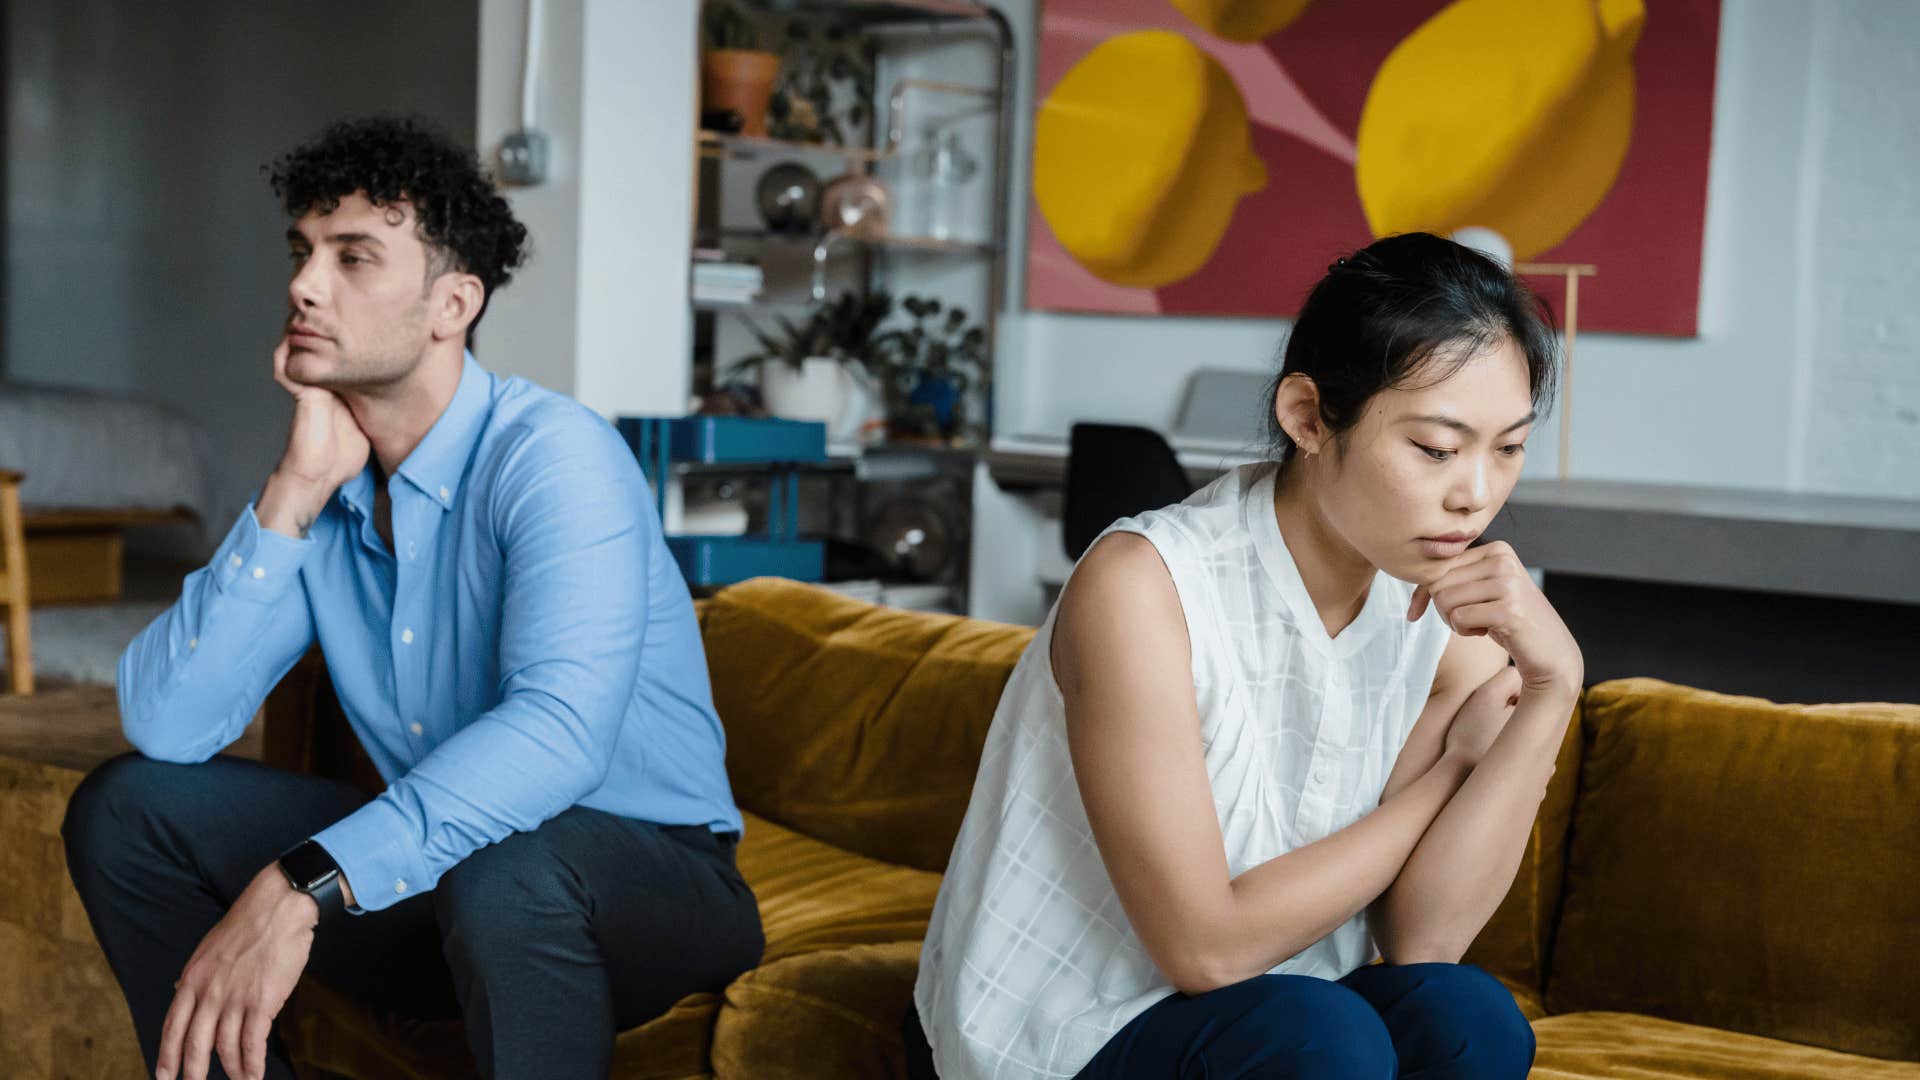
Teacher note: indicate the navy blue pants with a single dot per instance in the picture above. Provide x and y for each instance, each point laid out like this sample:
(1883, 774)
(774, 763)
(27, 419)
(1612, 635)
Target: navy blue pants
(1418, 1022)
(1424, 1021)
(546, 943)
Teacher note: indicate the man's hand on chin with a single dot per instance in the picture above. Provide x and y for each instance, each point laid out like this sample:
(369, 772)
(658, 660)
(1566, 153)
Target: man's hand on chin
(237, 982)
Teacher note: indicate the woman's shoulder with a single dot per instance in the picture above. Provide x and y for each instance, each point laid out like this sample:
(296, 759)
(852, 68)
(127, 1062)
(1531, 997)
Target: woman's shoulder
(1205, 522)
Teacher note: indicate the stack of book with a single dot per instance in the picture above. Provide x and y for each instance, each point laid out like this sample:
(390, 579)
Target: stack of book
(725, 282)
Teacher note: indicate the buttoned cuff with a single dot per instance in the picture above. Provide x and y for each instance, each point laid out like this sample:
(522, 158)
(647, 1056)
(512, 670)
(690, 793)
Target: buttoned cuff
(372, 849)
(255, 563)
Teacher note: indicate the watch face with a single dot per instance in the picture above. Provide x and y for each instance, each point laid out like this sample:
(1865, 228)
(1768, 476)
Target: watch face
(309, 866)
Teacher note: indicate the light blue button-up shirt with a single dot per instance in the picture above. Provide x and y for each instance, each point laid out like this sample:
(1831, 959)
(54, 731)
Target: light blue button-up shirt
(527, 646)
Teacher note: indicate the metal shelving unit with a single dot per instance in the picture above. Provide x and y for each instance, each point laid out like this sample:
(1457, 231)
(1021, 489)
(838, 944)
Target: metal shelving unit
(887, 21)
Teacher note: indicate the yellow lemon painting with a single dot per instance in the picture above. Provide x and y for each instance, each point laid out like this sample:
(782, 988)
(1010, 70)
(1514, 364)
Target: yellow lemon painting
(1141, 155)
(1211, 157)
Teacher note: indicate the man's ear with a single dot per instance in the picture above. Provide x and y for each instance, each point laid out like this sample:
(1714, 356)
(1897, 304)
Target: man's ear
(457, 299)
(1297, 409)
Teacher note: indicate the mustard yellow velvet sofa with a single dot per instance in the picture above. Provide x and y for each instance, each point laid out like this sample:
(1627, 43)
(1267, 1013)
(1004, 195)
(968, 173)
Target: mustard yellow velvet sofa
(1716, 886)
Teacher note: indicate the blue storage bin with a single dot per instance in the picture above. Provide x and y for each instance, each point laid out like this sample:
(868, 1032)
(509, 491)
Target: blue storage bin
(774, 448)
(723, 560)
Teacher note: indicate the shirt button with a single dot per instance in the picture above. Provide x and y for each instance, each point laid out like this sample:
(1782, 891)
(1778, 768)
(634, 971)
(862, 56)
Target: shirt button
(444, 493)
(406, 637)
(259, 572)
(399, 886)
(409, 549)
(415, 727)
(193, 643)
(236, 560)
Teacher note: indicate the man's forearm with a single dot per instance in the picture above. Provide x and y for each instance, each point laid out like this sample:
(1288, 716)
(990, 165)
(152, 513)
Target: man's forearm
(1464, 864)
(189, 682)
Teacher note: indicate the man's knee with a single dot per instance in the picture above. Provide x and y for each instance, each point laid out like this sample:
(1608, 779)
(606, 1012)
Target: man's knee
(104, 811)
(1494, 1039)
(505, 895)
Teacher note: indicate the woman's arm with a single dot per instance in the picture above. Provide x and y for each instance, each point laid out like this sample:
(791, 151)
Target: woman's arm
(1462, 868)
(1124, 665)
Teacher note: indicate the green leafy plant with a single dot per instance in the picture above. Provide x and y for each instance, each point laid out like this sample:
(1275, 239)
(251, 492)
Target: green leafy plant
(938, 347)
(816, 59)
(729, 28)
(845, 330)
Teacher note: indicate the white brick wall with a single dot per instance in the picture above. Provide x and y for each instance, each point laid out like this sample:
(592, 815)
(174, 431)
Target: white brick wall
(1861, 404)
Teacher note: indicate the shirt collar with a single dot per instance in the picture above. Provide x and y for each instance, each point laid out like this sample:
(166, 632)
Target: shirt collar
(437, 465)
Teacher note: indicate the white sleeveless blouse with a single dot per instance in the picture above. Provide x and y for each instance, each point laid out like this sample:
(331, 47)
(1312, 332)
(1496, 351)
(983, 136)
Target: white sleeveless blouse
(1030, 965)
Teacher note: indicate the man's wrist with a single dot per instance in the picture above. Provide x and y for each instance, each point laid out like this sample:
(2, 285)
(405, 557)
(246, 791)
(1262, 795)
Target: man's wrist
(289, 504)
(309, 869)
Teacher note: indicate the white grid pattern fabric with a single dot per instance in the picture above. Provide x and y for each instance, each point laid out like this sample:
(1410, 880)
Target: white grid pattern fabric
(1030, 965)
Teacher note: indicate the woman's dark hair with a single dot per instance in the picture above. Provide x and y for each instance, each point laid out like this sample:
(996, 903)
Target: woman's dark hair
(1383, 312)
(464, 222)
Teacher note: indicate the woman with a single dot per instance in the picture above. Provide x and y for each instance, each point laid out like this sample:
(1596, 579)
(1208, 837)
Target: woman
(1272, 732)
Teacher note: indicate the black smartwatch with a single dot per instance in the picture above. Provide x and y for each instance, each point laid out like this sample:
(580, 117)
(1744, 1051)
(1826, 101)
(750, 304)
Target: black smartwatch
(311, 870)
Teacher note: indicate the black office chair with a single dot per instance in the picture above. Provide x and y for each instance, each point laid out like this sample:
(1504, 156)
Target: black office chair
(1115, 471)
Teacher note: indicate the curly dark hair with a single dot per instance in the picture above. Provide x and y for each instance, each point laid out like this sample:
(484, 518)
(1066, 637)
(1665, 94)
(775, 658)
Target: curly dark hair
(464, 222)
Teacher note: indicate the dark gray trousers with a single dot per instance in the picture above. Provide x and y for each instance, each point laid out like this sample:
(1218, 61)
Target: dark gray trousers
(547, 944)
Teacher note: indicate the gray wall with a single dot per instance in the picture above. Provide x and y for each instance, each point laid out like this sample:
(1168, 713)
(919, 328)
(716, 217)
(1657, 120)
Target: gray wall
(143, 247)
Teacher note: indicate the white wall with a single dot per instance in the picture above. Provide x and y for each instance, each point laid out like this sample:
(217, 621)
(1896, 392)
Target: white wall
(600, 312)
(1805, 375)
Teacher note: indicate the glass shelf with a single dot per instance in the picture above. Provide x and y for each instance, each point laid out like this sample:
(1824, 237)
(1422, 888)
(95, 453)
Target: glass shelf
(717, 144)
(891, 241)
(886, 11)
(798, 307)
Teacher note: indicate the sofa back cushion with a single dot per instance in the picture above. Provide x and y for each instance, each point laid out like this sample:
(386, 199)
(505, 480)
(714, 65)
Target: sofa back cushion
(1515, 943)
(854, 724)
(1746, 865)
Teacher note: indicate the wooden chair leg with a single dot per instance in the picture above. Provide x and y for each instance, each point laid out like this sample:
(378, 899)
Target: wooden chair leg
(13, 586)
(19, 650)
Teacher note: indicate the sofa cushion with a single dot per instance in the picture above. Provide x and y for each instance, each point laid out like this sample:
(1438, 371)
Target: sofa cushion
(1515, 942)
(830, 1013)
(1580, 1046)
(814, 896)
(858, 724)
(1747, 866)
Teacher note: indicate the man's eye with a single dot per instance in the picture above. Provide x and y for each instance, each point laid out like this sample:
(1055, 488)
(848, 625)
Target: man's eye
(350, 260)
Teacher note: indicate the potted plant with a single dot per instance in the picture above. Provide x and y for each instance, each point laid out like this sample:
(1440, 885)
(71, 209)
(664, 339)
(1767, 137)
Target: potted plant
(736, 73)
(930, 367)
(817, 369)
(818, 59)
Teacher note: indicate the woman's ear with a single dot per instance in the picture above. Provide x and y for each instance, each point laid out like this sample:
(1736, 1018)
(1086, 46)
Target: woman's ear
(456, 303)
(1297, 409)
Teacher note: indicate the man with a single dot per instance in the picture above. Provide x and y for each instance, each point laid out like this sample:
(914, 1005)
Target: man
(480, 562)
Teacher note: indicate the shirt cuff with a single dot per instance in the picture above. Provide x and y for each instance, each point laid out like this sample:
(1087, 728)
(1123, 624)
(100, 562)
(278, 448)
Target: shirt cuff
(370, 846)
(256, 563)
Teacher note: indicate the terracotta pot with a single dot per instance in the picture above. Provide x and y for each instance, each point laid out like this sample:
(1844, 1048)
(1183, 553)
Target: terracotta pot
(741, 80)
